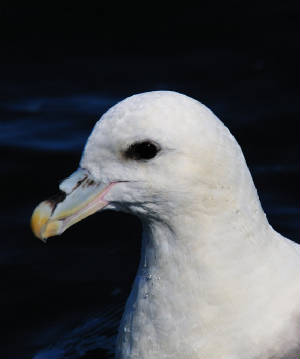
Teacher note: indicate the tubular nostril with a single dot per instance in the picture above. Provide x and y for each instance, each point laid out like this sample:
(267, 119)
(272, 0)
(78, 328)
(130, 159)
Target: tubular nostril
(69, 184)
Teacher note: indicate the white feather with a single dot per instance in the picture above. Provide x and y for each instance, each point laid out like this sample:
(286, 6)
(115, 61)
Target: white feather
(215, 281)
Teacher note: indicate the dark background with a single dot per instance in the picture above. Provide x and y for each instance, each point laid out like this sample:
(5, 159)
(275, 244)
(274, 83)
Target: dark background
(61, 67)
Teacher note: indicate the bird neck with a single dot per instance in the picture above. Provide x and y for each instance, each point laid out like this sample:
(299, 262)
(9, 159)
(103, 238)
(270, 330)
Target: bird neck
(183, 265)
(208, 238)
(197, 274)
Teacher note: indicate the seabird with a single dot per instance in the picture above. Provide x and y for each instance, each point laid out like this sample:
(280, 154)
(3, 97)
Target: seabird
(215, 280)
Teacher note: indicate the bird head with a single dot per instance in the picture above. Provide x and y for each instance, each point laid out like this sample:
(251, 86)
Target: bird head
(152, 154)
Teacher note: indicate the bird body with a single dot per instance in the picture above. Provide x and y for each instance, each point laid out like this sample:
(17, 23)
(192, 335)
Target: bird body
(215, 280)
(197, 306)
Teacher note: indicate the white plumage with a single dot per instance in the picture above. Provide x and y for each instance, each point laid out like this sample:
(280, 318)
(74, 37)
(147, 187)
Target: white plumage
(215, 281)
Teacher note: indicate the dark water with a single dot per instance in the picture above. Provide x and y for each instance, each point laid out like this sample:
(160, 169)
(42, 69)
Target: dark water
(65, 299)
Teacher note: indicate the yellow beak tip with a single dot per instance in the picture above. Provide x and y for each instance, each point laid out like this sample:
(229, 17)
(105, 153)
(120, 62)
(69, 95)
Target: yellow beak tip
(39, 219)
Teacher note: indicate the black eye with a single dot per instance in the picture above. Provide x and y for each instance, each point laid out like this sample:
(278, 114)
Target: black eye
(142, 150)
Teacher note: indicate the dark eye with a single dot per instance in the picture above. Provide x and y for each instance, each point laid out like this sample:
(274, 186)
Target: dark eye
(142, 150)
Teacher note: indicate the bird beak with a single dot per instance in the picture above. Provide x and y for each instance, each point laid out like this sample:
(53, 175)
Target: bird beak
(79, 197)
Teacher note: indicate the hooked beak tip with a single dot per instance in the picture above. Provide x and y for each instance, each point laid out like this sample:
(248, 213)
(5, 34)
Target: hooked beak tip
(39, 219)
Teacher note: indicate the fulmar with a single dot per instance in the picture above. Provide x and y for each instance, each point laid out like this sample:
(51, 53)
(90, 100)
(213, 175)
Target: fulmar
(215, 280)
